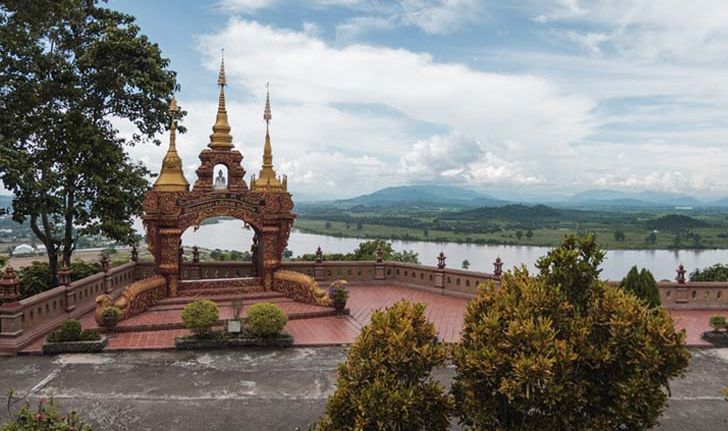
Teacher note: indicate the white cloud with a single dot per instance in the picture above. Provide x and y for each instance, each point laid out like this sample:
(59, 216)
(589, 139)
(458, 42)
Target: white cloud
(439, 16)
(653, 30)
(519, 112)
(356, 27)
(459, 158)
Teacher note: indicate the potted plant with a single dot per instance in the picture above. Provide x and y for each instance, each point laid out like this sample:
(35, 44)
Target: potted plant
(719, 335)
(339, 294)
(110, 317)
(234, 325)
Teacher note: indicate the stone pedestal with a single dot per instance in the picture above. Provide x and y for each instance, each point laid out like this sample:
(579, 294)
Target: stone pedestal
(70, 299)
(195, 271)
(440, 279)
(681, 295)
(379, 271)
(11, 319)
(108, 287)
(319, 272)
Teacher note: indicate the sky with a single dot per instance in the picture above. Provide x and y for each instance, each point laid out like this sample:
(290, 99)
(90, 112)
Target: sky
(526, 98)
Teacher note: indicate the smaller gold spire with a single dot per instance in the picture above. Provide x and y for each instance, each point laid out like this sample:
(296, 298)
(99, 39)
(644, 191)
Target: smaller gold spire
(221, 138)
(171, 178)
(267, 180)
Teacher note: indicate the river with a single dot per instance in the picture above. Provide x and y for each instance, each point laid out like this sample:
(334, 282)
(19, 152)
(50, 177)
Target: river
(662, 263)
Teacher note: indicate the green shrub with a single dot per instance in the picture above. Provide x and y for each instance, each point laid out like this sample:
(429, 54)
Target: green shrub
(200, 316)
(110, 316)
(266, 320)
(643, 285)
(46, 417)
(70, 330)
(90, 335)
(564, 351)
(34, 278)
(386, 382)
(80, 269)
(53, 337)
(718, 323)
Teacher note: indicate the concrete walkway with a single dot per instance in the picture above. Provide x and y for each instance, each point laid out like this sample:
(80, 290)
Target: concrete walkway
(262, 389)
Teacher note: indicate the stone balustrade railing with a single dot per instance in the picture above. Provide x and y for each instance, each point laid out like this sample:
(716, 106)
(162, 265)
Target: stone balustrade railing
(22, 322)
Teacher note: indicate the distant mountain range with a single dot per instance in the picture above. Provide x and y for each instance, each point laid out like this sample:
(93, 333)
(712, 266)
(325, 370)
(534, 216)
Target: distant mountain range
(453, 196)
(429, 196)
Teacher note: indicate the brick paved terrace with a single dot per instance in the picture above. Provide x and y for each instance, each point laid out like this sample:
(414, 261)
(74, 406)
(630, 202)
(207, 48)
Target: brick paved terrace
(317, 326)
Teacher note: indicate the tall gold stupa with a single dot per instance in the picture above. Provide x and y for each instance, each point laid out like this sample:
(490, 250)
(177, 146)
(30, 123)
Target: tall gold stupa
(267, 180)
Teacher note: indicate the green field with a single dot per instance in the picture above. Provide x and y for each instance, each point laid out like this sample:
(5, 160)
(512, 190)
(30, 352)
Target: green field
(523, 225)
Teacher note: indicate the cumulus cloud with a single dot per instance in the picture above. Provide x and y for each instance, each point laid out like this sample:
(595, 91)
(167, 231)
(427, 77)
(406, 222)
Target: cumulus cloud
(456, 157)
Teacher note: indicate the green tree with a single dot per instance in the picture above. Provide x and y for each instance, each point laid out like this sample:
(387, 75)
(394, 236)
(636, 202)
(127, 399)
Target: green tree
(466, 264)
(643, 285)
(386, 382)
(529, 234)
(651, 238)
(367, 250)
(68, 68)
(574, 267)
(359, 225)
(519, 234)
(619, 235)
(328, 225)
(534, 355)
(717, 272)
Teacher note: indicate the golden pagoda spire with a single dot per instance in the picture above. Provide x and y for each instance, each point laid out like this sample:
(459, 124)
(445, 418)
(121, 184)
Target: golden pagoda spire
(267, 180)
(171, 178)
(221, 138)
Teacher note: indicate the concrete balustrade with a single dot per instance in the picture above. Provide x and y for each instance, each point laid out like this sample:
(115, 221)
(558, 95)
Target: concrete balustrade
(31, 318)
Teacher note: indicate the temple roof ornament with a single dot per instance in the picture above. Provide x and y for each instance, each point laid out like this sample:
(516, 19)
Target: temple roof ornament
(267, 180)
(221, 138)
(171, 178)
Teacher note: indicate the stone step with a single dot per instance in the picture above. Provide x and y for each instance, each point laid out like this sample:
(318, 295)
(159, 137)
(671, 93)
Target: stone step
(180, 303)
(161, 320)
(219, 291)
(184, 298)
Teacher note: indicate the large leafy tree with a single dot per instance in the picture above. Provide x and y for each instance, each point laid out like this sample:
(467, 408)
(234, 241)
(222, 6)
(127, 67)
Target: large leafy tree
(69, 70)
(386, 382)
(564, 351)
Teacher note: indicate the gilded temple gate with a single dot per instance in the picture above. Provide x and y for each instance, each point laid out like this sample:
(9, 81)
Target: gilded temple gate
(171, 207)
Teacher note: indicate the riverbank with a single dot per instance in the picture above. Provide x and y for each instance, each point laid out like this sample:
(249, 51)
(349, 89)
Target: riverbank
(631, 239)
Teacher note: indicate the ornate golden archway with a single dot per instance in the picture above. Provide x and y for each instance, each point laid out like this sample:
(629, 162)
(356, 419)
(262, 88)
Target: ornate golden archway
(171, 207)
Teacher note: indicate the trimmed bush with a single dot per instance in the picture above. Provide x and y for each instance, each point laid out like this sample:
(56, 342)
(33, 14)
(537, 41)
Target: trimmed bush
(386, 382)
(564, 350)
(70, 330)
(200, 316)
(266, 320)
(643, 285)
(718, 323)
(90, 335)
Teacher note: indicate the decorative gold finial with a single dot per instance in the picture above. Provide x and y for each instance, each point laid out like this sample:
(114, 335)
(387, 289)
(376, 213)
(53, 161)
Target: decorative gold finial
(267, 180)
(221, 138)
(171, 178)
(221, 75)
(266, 113)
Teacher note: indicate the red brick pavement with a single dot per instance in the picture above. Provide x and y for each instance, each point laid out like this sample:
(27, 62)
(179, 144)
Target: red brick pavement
(695, 322)
(445, 312)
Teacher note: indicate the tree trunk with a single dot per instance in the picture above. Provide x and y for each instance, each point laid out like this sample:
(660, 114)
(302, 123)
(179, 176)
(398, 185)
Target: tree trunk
(68, 234)
(46, 237)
